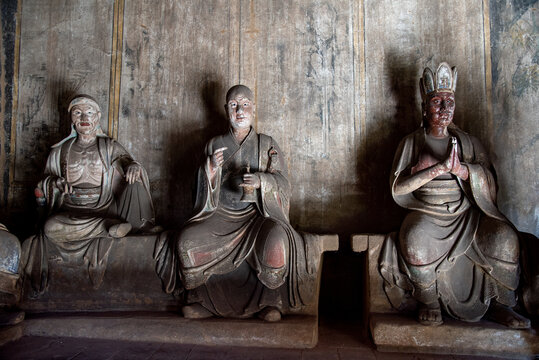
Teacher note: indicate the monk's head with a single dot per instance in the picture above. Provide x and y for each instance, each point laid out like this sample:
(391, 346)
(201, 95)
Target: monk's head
(85, 114)
(240, 106)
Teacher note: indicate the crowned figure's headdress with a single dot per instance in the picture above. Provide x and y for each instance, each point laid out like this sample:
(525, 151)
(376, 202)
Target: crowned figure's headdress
(445, 80)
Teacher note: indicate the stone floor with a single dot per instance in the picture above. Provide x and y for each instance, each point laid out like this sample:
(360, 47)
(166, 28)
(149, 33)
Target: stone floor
(339, 340)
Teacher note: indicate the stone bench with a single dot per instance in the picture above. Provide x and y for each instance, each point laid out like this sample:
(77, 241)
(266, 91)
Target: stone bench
(400, 332)
(130, 304)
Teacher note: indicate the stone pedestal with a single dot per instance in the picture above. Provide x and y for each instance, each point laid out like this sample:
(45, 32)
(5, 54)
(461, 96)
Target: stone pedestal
(400, 332)
(130, 304)
(10, 333)
(294, 331)
(130, 282)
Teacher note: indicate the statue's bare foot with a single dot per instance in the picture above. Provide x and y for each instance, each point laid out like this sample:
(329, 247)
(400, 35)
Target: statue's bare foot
(270, 314)
(195, 311)
(507, 316)
(430, 314)
(120, 230)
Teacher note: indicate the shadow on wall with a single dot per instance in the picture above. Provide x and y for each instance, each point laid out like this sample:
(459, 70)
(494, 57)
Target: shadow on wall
(186, 149)
(385, 130)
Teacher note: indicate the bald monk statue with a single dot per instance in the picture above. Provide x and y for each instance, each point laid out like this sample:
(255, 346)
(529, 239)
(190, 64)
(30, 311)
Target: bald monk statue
(239, 256)
(93, 191)
(455, 251)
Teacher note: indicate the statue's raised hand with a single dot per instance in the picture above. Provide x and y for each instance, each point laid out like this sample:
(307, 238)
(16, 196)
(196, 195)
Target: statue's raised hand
(217, 159)
(133, 173)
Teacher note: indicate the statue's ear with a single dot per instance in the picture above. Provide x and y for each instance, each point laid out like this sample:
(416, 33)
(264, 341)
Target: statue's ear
(99, 115)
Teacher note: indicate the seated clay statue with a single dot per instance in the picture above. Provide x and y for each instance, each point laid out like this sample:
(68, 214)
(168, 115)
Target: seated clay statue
(239, 256)
(93, 191)
(10, 254)
(455, 251)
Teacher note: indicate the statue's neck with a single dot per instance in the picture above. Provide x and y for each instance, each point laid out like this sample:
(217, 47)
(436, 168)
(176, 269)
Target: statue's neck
(86, 140)
(438, 131)
(240, 134)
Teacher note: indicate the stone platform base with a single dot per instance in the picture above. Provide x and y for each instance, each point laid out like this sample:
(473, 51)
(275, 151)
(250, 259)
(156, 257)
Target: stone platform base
(399, 333)
(10, 333)
(291, 332)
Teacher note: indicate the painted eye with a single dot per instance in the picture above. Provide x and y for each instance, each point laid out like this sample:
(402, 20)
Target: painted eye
(233, 105)
(246, 104)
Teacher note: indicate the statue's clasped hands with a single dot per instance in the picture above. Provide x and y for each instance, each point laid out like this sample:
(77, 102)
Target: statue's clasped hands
(452, 163)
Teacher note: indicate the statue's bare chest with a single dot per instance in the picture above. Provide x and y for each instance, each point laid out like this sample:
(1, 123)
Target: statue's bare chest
(84, 166)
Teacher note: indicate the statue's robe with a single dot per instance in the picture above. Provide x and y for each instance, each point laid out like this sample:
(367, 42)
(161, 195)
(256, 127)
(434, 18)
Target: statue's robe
(76, 225)
(10, 255)
(454, 245)
(236, 258)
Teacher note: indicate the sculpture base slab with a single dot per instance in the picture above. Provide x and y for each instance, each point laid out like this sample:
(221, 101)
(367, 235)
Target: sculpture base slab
(291, 332)
(399, 333)
(10, 333)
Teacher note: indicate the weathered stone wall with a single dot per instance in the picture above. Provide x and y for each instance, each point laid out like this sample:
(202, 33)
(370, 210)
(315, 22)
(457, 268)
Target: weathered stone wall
(515, 90)
(336, 84)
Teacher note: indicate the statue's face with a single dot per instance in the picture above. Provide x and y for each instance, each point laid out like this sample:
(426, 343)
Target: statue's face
(240, 112)
(85, 118)
(440, 108)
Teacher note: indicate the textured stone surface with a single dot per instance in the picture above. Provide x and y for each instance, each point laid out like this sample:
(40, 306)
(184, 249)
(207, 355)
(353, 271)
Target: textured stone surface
(339, 340)
(397, 333)
(10, 333)
(515, 88)
(130, 282)
(291, 332)
(374, 295)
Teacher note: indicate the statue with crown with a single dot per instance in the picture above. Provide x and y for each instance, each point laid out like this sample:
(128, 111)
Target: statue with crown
(93, 192)
(455, 252)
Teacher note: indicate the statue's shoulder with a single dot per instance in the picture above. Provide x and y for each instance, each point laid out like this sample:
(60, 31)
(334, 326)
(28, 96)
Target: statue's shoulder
(415, 137)
(467, 139)
(219, 139)
(108, 142)
(265, 140)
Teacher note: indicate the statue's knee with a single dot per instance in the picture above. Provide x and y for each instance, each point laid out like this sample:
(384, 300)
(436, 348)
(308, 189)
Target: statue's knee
(184, 240)
(498, 240)
(10, 253)
(188, 246)
(51, 227)
(272, 248)
(414, 250)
